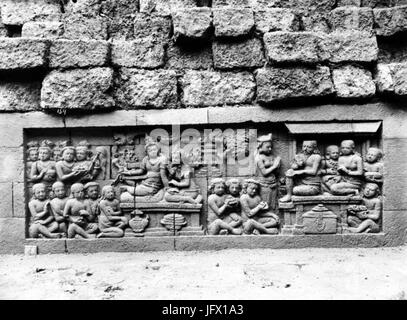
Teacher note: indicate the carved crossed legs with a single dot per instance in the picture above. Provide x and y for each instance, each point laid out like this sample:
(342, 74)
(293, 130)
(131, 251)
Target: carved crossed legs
(36, 230)
(299, 190)
(229, 224)
(358, 226)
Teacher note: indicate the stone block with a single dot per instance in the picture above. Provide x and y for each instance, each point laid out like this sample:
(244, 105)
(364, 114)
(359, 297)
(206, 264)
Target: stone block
(275, 84)
(277, 19)
(165, 7)
(47, 246)
(192, 23)
(232, 21)
(395, 226)
(392, 78)
(20, 96)
(78, 53)
(21, 11)
(19, 206)
(207, 88)
(152, 25)
(144, 88)
(189, 57)
(238, 54)
(351, 18)
(12, 235)
(171, 117)
(42, 29)
(22, 53)
(120, 14)
(314, 21)
(11, 164)
(353, 82)
(351, 46)
(77, 89)
(239, 3)
(346, 3)
(141, 53)
(6, 200)
(294, 47)
(390, 21)
(120, 245)
(78, 26)
(87, 7)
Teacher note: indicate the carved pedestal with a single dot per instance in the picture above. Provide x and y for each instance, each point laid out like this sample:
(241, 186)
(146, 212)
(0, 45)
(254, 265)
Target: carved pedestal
(295, 210)
(184, 220)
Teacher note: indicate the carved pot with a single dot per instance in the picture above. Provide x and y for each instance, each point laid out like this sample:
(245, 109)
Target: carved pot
(319, 220)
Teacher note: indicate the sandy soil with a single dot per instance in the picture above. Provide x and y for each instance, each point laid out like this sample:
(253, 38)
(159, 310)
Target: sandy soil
(232, 274)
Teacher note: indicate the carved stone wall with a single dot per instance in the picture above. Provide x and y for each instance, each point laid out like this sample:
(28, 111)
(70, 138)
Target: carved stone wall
(97, 76)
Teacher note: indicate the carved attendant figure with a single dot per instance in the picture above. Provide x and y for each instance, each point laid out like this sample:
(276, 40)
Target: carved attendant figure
(366, 218)
(373, 167)
(302, 179)
(65, 166)
(44, 170)
(350, 167)
(256, 212)
(43, 223)
(266, 166)
(32, 155)
(86, 169)
(329, 171)
(221, 216)
(111, 220)
(58, 205)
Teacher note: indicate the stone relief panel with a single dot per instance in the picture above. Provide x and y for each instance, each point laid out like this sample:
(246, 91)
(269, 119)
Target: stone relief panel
(263, 180)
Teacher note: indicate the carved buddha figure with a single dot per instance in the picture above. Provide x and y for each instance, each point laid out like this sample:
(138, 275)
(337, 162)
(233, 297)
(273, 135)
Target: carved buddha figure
(266, 167)
(43, 223)
(329, 170)
(257, 216)
(152, 173)
(350, 167)
(302, 178)
(44, 170)
(366, 218)
(182, 186)
(223, 211)
(373, 166)
(111, 220)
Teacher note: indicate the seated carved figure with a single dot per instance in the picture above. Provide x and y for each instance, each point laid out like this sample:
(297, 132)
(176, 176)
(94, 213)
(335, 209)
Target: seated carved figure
(266, 168)
(58, 205)
(302, 178)
(366, 218)
(329, 170)
(152, 174)
(182, 187)
(373, 167)
(44, 169)
(223, 209)
(111, 220)
(43, 223)
(350, 167)
(78, 213)
(257, 216)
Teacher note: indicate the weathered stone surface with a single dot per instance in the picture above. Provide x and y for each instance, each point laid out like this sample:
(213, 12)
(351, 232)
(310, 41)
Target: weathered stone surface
(120, 14)
(344, 3)
(392, 78)
(140, 53)
(189, 57)
(276, 20)
(206, 88)
(40, 29)
(232, 22)
(78, 26)
(143, 88)
(395, 226)
(390, 21)
(294, 47)
(242, 3)
(47, 246)
(19, 96)
(88, 7)
(22, 53)
(6, 200)
(19, 12)
(192, 23)
(19, 207)
(11, 164)
(275, 84)
(77, 89)
(78, 53)
(351, 46)
(314, 21)
(12, 235)
(239, 54)
(392, 49)
(353, 82)
(351, 18)
(165, 7)
(152, 25)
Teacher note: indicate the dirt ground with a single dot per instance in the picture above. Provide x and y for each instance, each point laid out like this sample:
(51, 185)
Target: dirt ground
(231, 274)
